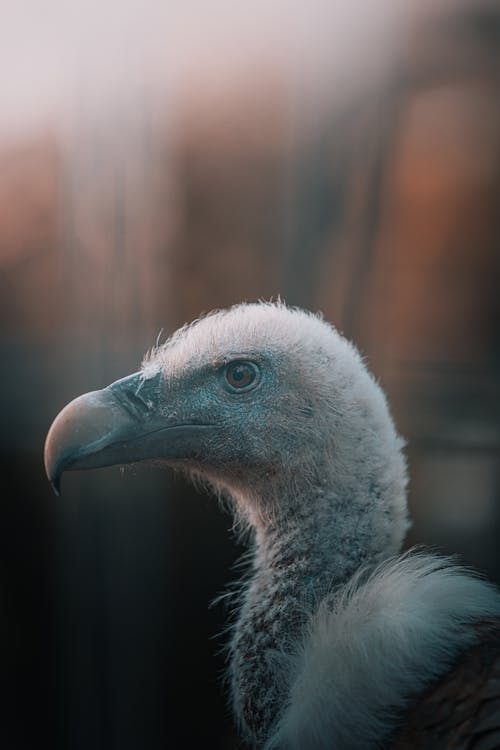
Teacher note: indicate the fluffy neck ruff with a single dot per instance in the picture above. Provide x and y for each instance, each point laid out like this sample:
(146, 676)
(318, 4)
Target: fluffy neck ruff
(371, 647)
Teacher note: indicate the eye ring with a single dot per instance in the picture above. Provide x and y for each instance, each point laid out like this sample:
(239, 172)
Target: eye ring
(241, 375)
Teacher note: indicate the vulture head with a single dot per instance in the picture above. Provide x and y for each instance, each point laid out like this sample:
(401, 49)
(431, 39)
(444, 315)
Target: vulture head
(269, 404)
(276, 410)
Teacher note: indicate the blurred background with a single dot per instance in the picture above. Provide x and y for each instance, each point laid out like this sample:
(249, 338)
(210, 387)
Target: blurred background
(157, 162)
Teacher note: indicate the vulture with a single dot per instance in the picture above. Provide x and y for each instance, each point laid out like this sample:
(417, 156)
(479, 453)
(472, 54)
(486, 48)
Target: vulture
(341, 641)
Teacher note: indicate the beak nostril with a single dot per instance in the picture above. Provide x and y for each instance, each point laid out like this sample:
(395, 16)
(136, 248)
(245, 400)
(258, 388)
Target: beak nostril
(138, 395)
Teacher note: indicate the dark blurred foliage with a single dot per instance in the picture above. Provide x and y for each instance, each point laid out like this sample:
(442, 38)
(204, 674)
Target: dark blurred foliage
(382, 212)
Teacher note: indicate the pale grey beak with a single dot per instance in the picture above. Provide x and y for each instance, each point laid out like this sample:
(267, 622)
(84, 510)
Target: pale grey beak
(119, 424)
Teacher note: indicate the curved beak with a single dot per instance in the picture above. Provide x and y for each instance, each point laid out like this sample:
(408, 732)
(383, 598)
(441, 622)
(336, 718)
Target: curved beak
(119, 424)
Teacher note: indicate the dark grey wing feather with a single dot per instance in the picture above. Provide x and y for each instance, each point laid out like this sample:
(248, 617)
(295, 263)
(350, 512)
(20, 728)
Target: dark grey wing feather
(461, 711)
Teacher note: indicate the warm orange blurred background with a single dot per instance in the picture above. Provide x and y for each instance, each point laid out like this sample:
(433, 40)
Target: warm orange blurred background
(347, 161)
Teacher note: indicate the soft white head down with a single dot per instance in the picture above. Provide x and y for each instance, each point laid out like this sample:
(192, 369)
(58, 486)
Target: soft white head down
(317, 422)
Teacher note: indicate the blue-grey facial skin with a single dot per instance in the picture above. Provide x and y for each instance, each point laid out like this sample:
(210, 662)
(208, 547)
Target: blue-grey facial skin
(241, 419)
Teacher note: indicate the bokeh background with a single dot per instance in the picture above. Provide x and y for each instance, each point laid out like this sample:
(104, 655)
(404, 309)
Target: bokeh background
(157, 162)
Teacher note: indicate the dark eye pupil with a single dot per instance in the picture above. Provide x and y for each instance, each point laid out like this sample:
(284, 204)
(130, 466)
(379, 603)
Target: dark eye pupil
(240, 375)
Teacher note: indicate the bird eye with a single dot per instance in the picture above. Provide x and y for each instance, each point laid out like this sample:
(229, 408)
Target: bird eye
(241, 376)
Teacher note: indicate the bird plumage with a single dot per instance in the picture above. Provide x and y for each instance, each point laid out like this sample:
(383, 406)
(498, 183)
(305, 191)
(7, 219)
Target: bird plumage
(336, 635)
(461, 710)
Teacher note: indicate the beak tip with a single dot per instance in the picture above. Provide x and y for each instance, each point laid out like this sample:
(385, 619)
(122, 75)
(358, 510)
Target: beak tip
(72, 428)
(56, 485)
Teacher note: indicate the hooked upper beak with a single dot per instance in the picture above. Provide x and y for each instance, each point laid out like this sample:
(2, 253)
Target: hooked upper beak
(117, 425)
